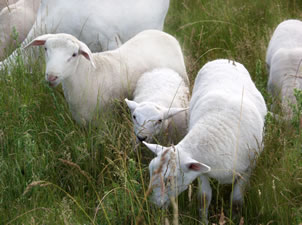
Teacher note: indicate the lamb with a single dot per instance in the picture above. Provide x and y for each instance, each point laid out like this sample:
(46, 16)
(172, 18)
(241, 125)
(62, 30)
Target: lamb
(226, 123)
(19, 16)
(160, 105)
(284, 57)
(90, 81)
(100, 24)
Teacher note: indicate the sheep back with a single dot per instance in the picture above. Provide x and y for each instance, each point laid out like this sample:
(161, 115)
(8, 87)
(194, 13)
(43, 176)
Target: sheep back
(288, 34)
(165, 88)
(226, 120)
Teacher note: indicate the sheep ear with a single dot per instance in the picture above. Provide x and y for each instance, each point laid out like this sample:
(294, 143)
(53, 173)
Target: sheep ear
(156, 149)
(85, 51)
(131, 104)
(195, 166)
(38, 41)
(169, 112)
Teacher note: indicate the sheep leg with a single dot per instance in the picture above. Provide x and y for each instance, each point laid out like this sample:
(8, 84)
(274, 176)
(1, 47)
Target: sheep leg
(204, 196)
(238, 193)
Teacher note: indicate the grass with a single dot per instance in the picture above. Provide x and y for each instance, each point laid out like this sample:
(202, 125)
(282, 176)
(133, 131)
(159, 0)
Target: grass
(54, 172)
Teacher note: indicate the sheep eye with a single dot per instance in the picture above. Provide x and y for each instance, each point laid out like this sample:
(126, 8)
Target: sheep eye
(45, 49)
(134, 117)
(159, 121)
(74, 54)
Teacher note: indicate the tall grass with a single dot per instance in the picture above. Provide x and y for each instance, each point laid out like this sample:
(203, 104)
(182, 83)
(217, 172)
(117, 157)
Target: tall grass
(54, 172)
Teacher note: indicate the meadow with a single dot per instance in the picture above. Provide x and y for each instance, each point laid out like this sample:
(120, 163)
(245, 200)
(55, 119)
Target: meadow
(53, 171)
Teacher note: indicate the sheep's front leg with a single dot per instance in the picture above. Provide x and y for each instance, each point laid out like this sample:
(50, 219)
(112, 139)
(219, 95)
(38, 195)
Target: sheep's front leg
(204, 196)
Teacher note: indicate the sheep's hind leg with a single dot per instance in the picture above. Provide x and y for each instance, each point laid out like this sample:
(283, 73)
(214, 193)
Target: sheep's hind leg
(204, 196)
(237, 196)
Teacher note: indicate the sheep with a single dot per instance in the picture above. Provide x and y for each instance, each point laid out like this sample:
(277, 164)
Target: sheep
(284, 57)
(19, 16)
(90, 81)
(226, 123)
(100, 24)
(159, 105)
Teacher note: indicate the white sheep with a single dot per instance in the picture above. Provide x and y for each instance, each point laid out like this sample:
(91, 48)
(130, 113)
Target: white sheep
(284, 57)
(90, 81)
(100, 24)
(224, 138)
(19, 16)
(159, 105)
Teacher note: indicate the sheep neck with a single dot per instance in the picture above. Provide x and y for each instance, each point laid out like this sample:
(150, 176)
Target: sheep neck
(74, 84)
(77, 88)
(87, 89)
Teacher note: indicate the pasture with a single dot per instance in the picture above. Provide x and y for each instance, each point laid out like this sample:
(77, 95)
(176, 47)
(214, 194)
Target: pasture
(53, 171)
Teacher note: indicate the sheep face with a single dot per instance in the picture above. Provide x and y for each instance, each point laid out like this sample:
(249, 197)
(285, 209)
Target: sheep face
(62, 52)
(62, 57)
(150, 119)
(171, 172)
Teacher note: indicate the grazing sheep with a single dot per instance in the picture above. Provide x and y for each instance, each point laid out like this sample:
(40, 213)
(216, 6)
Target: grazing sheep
(100, 24)
(225, 133)
(284, 57)
(159, 105)
(90, 81)
(21, 17)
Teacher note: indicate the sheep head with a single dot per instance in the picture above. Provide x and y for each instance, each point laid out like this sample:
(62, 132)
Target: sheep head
(62, 52)
(171, 172)
(150, 119)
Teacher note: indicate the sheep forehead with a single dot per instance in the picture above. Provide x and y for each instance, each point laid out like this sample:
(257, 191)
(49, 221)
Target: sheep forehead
(148, 112)
(62, 43)
(167, 159)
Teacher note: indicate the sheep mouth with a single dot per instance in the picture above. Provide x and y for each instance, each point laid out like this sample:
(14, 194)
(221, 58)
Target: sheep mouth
(53, 83)
(141, 138)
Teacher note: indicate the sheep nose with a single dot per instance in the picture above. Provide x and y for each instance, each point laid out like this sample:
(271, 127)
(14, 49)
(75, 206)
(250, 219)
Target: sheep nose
(51, 77)
(141, 139)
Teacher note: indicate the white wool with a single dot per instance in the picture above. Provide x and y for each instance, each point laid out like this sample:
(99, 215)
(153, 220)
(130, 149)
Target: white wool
(284, 57)
(101, 24)
(160, 105)
(226, 124)
(89, 88)
(287, 35)
(228, 111)
(21, 17)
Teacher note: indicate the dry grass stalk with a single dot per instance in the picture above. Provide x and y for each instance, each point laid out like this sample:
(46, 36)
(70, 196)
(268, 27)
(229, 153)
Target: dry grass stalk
(241, 221)
(167, 221)
(139, 217)
(190, 193)
(174, 187)
(222, 218)
(72, 164)
(39, 183)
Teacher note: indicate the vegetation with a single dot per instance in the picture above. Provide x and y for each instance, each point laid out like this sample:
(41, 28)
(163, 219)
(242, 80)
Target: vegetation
(53, 171)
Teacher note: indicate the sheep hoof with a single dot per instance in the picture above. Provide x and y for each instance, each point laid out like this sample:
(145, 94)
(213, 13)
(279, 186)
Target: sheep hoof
(236, 210)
